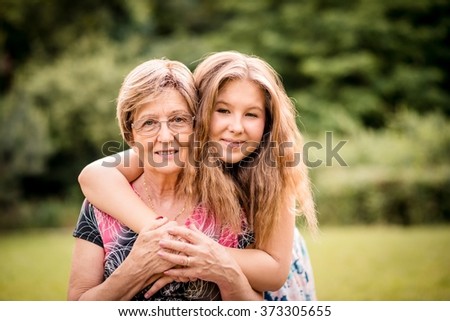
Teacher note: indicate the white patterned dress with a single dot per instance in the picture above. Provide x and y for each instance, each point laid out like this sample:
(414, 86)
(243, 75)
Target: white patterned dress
(299, 285)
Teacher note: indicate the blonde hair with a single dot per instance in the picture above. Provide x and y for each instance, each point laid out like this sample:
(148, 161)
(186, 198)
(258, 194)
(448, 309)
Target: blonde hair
(274, 177)
(145, 83)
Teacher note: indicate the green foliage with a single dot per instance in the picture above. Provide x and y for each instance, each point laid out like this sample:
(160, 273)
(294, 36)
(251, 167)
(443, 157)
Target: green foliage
(399, 175)
(350, 66)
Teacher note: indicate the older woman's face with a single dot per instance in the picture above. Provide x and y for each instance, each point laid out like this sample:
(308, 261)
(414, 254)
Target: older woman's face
(161, 131)
(238, 118)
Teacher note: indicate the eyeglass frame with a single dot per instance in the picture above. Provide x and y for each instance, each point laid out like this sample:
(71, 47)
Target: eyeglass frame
(192, 118)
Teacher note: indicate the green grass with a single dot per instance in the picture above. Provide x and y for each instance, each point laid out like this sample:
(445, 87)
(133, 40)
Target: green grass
(35, 265)
(382, 263)
(350, 263)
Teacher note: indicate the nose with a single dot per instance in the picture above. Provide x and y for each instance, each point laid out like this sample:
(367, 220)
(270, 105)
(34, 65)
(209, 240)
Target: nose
(236, 125)
(165, 135)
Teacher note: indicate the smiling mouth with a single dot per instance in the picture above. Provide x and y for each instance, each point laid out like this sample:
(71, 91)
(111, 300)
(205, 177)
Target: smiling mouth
(233, 143)
(166, 153)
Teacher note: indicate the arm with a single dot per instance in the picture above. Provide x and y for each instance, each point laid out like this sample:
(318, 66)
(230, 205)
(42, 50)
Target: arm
(105, 182)
(273, 259)
(86, 278)
(111, 193)
(139, 269)
(235, 286)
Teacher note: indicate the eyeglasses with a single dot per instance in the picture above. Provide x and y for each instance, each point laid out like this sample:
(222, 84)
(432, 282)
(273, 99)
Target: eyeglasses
(149, 126)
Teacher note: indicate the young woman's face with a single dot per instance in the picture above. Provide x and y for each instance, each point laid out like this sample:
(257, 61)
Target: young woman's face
(161, 130)
(238, 118)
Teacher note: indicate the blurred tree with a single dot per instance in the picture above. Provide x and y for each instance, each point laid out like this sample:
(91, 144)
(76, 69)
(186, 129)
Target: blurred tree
(366, 57)
(44, 28)
(349, 65)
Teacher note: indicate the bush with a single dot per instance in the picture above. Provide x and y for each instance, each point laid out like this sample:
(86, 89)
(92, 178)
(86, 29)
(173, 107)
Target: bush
(398, 175)
(371, 196)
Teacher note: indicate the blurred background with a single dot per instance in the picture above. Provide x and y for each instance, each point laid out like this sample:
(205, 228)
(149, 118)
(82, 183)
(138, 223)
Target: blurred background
(371, 84)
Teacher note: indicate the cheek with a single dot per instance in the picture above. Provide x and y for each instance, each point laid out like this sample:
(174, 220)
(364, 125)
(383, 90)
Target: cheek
(257, 130)
(183, 138)
(143, 144)
(214, 127)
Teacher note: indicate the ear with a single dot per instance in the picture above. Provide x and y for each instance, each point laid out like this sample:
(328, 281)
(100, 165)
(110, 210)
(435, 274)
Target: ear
(129, 138)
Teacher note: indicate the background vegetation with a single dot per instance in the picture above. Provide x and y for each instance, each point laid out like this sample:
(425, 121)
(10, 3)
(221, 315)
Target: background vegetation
(374, 74)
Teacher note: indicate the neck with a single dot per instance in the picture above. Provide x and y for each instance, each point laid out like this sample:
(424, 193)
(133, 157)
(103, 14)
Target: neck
(160, 186)
(159, 192)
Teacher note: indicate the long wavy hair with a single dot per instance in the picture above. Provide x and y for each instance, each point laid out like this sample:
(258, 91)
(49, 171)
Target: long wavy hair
(273, 176)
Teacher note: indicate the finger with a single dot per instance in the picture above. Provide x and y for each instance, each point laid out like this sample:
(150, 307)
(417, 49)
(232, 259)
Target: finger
(190, 235)
(193, 227)
(177, 246)
(155, 277)
(177, 259)
(197, 233)
(181, 273)
(158, 285)
(182, 279)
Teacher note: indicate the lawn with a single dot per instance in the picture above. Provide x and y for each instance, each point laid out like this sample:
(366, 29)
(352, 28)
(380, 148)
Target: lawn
(350, 263)
(382, 263)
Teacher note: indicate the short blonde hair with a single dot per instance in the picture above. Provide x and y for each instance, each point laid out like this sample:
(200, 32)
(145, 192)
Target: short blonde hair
(145, 83)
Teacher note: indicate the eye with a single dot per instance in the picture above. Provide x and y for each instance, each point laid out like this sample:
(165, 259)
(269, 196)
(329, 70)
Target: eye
(222, 110)
(179, 119)
(149, 123)
(253, 115)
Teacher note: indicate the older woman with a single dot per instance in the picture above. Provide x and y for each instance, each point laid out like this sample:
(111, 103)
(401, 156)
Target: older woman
(156, 107)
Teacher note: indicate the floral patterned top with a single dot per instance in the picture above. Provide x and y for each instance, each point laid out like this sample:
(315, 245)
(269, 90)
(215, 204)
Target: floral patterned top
(117, 240)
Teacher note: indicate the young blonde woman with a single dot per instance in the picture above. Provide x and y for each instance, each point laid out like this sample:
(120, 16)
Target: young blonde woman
(247, 153)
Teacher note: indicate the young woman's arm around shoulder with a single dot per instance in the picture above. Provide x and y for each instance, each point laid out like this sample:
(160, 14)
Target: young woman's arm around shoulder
(105, 183)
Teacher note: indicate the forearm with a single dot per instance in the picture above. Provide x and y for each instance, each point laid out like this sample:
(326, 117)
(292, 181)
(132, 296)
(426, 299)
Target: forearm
(118, 287)
(86, 281)
(257, 265)
(109, 190)
(236, 287)
(267, 267)
(134, 274)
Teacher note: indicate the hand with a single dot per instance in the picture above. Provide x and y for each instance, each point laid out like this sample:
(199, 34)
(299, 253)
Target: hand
(144, 252)
(197, 256)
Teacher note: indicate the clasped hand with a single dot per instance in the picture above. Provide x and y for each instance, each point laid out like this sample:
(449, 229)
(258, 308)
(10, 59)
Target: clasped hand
(188, 255)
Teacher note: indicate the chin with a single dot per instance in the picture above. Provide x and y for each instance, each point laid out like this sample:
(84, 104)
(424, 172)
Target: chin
(169, 169)
(233, 158)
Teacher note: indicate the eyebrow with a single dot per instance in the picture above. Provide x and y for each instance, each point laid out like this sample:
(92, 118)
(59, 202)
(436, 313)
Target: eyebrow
(251, 107)
(173, 112)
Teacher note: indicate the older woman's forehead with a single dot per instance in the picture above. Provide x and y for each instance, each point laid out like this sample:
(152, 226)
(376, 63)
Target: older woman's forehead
(167, 103)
